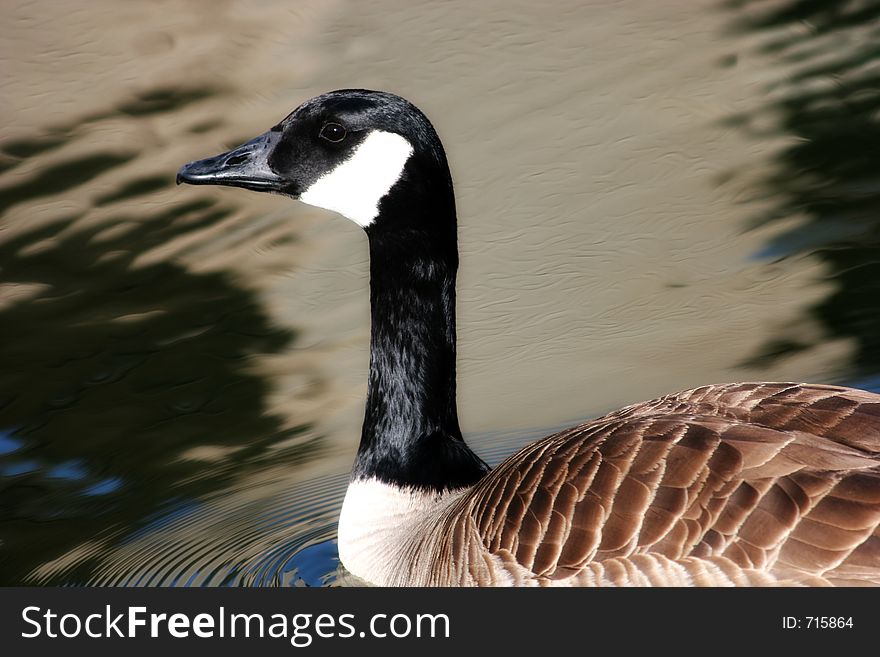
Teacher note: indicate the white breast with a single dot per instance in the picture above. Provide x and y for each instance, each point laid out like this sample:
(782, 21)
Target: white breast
(382, 525)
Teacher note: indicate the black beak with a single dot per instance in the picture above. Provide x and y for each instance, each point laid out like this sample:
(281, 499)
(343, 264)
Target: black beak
(246, 166)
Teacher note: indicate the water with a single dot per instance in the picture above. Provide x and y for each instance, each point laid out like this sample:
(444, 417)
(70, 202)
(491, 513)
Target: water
(652, 196)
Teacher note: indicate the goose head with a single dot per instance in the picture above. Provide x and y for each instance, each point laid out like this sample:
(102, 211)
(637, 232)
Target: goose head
(374, 158)
(371, 156)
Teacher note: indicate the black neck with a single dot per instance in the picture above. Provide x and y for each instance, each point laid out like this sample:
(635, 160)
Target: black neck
(411, 435)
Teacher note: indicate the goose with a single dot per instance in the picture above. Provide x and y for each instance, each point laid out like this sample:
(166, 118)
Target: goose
(739, 484)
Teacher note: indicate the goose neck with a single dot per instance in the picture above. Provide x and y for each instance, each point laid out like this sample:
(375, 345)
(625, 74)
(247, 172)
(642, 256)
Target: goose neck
(411, 436)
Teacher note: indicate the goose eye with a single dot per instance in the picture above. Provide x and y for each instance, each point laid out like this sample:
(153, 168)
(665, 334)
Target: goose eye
(332, 132)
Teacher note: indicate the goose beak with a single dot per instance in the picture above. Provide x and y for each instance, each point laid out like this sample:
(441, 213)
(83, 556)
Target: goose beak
(246, 166)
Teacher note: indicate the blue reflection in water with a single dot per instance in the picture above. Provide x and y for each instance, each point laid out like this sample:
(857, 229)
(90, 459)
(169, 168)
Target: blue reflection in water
(67, 470)
(871, 383)
(105, 486)
(312, 565)
(8, 444)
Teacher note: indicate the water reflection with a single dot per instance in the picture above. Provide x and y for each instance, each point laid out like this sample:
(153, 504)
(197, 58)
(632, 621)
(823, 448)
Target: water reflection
(127, 392)
(269, 533)
(61, 177)
(827, 97)
(158, 426)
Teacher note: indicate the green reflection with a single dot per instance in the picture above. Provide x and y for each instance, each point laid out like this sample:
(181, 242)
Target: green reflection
(830, 105)
(127, 390)
(112, 376)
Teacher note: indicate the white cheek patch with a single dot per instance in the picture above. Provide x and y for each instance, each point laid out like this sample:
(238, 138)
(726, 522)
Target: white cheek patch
(355, 187)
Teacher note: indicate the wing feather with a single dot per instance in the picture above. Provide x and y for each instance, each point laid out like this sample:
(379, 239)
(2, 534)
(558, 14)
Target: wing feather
(782, 478)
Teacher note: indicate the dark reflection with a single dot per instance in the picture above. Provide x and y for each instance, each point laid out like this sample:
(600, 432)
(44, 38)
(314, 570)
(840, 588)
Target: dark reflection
(7, 163)
(150, 102)
(137, 187)
(124, 389)
(22, 148)
(61, 177)
(127, 390)
(831, 174)
(165, 99)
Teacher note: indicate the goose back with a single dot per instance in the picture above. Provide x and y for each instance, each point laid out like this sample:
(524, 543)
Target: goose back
(740, 484)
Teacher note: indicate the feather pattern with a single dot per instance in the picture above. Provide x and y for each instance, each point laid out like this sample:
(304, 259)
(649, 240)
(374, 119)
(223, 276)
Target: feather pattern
(752, 483)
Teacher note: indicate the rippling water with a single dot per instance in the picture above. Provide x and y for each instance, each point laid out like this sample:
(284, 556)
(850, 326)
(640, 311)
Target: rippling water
(652, 196)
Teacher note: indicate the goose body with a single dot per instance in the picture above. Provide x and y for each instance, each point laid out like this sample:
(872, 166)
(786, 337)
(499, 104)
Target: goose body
(735, 484)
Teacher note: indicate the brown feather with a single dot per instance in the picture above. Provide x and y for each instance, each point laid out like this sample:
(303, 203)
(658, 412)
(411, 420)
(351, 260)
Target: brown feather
(741, 484)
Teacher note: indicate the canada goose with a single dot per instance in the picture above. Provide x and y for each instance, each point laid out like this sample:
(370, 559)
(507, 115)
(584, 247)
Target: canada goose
(735, 484)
